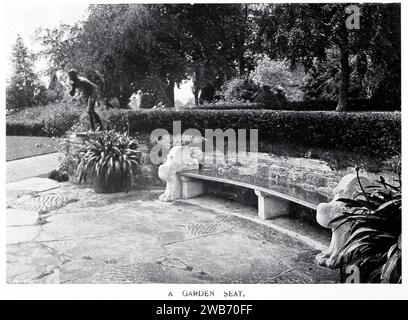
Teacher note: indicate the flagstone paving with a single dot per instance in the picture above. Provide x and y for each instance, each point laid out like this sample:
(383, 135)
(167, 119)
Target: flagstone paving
(69, 234)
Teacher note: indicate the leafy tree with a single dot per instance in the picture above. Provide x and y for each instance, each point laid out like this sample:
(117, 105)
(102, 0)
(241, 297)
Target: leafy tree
(305, 32)
(61, 47)
(83, 46)
(217, 42)
(21, 88)
(384, 52)
(128, 47)
(123, 48)
(154, 46)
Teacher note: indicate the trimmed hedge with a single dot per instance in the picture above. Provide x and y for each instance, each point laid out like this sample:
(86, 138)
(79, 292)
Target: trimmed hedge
(374, 133)
(25, 128)
(51, 120)
(231, 105)
(307, 105)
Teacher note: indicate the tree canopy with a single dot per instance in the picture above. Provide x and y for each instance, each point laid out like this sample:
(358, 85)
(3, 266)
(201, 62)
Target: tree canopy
(153, 47)
(20, 92)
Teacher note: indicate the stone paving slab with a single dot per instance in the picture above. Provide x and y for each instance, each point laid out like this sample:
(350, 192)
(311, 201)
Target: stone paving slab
(33, 184)
(134, 238)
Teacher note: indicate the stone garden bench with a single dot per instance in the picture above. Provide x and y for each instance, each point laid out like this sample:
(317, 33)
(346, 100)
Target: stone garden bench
(276, 182)
(186, 179)
(273, 197)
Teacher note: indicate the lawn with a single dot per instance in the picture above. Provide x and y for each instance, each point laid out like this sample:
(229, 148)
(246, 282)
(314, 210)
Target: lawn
(18, 147)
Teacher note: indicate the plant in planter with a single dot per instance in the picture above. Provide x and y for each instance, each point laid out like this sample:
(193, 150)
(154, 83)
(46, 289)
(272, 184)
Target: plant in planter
(110, 160)
(373, 242)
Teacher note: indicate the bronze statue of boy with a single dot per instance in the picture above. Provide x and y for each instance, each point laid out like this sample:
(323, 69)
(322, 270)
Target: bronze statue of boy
(89, 90)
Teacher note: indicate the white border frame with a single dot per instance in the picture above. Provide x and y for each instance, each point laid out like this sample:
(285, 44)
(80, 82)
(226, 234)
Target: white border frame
(255, 291)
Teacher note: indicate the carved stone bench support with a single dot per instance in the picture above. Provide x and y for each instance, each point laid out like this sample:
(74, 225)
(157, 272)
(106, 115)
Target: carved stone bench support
(348, 187)
(179, 159)
(270, 206)
(191, 188)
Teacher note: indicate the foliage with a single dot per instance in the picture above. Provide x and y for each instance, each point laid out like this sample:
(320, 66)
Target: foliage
(58, 118)
(324, 76)
(68, 153)
(270, 83)
(218, 40)
(21, 87)
(373, 242)
(154, 47)
(123, 46)
(226, 105)
(51, 120)
(54, 93)
(110, 155)
(377, 134)
(58, 175)
(278, 74)
(239, 90)
(306, 105)
(305, 32)
(367, 80)
(322, 80)
(128, 47)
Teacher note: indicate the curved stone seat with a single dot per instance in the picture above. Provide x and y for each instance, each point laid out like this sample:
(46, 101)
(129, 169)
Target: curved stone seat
(273, 198)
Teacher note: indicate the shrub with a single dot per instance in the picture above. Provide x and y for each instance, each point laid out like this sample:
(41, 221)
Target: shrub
(111, 156)
(278, 74)
(373, 242)
(68, 155)
(377, 133)
(239, 90)
(52, 120)
(58, 175)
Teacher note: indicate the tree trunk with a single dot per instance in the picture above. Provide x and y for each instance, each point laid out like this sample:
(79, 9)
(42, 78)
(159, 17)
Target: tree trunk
(196, 89)
(243, 36)
(170, 93)
(361, 71)
(344, 78)
(196, 93)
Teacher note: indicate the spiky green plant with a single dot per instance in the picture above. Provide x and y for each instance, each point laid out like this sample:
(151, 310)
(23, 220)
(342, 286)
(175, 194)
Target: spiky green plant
(373, 242)
(111, 155)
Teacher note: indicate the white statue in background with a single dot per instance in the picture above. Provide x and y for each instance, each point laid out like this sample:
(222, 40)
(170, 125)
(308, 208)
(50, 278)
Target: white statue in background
(135, 100)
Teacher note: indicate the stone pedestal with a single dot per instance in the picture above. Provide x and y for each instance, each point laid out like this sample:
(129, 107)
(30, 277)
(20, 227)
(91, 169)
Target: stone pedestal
(76, 140)
(191, 188)
(270, 206)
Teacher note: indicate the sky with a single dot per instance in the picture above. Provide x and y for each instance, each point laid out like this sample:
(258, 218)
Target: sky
(25, 18)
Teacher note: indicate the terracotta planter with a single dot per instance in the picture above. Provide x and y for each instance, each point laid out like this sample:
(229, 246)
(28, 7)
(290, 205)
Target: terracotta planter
(114, 184)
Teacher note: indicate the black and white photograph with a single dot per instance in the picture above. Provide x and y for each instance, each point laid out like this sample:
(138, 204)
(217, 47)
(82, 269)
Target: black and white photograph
(202, 144)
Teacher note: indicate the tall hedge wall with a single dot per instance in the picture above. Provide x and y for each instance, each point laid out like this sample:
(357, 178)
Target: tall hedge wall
(375, 133)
